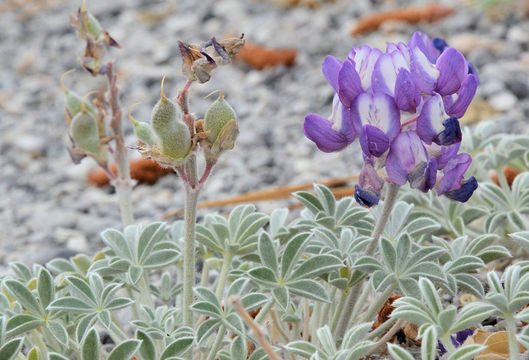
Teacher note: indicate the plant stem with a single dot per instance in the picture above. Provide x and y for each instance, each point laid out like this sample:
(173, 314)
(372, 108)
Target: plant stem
(338, 311)
(145, 293)
(389, 201)
(382, 328)
(221, 283)
(514, 350)
(263, 312)
(205, 274)
(40, 344)
(447, 342)
(361, 301)
(116, 332)
(189, 251)
(218, 342)
(123, 183)
(375, 307)
(306, 319)
(352, 296)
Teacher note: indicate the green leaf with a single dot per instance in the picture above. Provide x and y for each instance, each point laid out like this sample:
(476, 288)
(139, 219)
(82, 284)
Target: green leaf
(116, 241)
(209, 296)
(45, 287)
(238, 348)
(80, 289)
(430, 295)
(399, 353)
(147, 348)
(24, 296)
(311, 202)
(90, 347)
(309, 289)
(301, 348)
(292, 252)
(11, 349)
(118, 303)
(317, 265)
(258, 354)
(267, 252)
(253, 300)
(467, 352)
(263, 275)
(148, 238)
(327, 198)
(55, 356)
(21, 323)
(206, 308)
(281, 297)
(124, 350)
(206, 328)
(160, 258)
(58, 331)
(84, 325)
(69, 303)
(177, 347)
(429, 344)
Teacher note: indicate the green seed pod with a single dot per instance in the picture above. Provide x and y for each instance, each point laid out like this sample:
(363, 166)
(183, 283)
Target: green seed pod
(86, 134)
(142, 130)
(93, 27)
(173, 135)
(73, 100)
(217, 116)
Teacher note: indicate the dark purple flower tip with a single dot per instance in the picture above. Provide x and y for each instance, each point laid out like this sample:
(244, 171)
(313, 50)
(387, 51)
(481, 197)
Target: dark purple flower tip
(439, 44)
(451, 134)
(373, 141)
(464, 192)
(320, 131)
(366, 197)
(462, 335)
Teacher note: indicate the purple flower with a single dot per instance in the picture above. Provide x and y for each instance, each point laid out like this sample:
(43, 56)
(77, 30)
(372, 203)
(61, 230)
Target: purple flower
(408, 161)
(376, 120)
(404, 105)
(458, 340)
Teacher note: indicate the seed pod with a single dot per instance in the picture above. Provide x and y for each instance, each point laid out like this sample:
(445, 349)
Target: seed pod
(142, 130)
(173, 135)
(86, 134)
(217, 116)
(93, 27)
(74, 100)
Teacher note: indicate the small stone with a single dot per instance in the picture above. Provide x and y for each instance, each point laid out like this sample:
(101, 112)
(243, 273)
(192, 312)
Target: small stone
(503, 101)
(519, 87)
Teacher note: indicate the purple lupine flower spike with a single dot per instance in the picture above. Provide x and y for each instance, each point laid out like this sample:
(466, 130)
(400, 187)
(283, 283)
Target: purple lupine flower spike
(434, 124)
(376, 119)
(405, 106)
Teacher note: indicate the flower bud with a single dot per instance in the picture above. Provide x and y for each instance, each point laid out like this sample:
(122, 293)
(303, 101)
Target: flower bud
(74, 100)
(86, 134)
(173, 135)
(142, 130)
(93, 27)
(217, 116)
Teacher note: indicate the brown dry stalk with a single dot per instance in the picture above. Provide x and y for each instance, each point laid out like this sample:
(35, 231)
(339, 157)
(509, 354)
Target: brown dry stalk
(255, 328)
(412, 15)
(280, 192)
(260, 57)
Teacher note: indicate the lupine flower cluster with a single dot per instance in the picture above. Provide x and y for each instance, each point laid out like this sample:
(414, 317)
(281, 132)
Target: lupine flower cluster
(404, 106)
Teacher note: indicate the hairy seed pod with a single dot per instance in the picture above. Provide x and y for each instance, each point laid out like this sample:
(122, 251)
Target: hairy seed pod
(74, 100)
(142, 130)
(93, 27)
(173, 135)
(86, 134)
(217, 116)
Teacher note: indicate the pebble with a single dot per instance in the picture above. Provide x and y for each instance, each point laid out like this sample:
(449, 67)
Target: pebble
(503, 101)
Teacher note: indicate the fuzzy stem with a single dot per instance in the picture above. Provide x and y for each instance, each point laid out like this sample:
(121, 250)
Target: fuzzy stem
(145, 294)
(116, 331)
(361, 301)
(510, 325)
(205, 274)
(447, 342)
(306, 319)
(389, 201)
(375, 307)
(277, 324)
(189, 252)
(218, 342)
(123, 183)
(221, 283)
(382, 328)
(338, 311)
(263, 312)
(40, 344)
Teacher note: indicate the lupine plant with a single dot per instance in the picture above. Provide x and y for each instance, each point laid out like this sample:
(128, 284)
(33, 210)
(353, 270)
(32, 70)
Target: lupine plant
(293, 284)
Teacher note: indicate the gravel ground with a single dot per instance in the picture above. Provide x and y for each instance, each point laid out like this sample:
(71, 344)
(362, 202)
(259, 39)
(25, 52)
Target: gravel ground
(46, 208)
